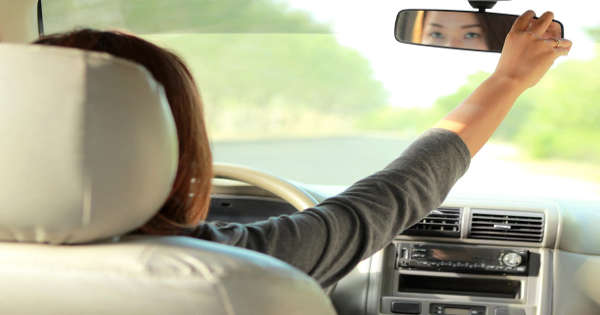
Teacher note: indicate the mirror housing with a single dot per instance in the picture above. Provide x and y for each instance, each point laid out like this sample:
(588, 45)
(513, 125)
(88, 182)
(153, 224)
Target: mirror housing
(467, 30)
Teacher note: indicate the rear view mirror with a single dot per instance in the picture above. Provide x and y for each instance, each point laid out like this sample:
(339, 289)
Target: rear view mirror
(480, 31)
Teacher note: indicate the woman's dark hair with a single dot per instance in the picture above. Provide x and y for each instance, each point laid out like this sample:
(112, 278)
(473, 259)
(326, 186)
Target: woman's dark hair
(189, 199)
(495, 32)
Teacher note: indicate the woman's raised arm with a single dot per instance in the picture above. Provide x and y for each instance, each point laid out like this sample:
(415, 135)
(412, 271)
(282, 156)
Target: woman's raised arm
(526, 57)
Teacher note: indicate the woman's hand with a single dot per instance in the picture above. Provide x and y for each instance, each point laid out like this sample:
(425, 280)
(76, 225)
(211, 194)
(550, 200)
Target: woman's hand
(530, 50)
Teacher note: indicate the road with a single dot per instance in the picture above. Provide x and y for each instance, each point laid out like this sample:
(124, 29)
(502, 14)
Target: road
(331, 161)
(344, 160)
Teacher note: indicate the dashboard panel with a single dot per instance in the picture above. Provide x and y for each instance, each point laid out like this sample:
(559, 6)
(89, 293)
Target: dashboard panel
(459, 272)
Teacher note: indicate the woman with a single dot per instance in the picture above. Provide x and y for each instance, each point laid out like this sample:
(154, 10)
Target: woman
(455, 29)
(328, 240)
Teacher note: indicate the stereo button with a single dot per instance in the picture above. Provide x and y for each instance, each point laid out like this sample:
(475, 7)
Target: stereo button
(512, 259)
(406, 308)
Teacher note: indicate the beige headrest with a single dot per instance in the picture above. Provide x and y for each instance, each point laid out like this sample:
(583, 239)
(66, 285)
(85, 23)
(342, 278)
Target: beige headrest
(88, 145)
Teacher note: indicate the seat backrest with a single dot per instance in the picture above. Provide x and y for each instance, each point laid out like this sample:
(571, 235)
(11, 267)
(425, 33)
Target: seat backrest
(89, 153)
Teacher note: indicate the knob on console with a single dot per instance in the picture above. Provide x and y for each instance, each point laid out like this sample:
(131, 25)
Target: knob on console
(512, 259)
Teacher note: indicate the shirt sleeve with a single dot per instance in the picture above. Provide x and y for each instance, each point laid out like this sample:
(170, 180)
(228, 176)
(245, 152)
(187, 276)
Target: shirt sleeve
(330, 239)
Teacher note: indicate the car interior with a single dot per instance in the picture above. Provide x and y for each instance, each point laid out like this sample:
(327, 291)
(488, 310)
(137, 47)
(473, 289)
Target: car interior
(90, 152)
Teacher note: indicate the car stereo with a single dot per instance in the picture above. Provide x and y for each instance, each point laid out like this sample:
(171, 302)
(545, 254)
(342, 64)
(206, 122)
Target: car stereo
(480, 260)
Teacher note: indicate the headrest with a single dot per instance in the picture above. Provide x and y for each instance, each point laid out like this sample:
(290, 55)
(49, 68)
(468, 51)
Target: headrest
(88, 142)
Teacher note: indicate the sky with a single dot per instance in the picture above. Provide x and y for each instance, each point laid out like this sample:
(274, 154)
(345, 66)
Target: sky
(416, 76)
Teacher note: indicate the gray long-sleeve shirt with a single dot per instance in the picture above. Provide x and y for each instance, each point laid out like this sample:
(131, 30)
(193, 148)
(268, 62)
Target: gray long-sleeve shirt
(330, 239)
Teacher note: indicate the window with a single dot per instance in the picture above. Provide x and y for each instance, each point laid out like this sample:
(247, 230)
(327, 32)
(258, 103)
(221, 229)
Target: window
(320, 91)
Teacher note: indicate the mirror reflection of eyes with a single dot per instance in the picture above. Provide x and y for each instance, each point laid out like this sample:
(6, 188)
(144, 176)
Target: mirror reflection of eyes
(472, 35)
(437, 35)
(440, 36)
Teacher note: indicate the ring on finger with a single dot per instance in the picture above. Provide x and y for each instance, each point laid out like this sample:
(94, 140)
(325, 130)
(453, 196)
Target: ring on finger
(557, 41)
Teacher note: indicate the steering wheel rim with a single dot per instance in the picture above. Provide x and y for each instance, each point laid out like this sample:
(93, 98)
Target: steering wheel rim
(279, 187)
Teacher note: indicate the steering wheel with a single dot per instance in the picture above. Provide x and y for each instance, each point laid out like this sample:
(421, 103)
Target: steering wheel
(279, 187)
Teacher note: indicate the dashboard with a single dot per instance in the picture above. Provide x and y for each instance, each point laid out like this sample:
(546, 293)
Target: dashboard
(482, 255)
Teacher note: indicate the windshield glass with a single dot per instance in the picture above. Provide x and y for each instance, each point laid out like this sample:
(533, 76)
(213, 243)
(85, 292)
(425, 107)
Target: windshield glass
(320, 91)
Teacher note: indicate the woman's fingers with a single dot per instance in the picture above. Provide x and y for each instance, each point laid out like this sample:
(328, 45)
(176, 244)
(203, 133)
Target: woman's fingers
(553, 31)
(540, 25)
(522, 22)
(561, 44)
(562, 51)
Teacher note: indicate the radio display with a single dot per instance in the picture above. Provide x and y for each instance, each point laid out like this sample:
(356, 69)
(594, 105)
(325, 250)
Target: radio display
(460, 254)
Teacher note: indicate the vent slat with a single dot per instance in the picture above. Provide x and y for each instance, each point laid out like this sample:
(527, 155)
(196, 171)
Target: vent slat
(506, 233)
(512, 229)
(494, 216)
(537, 225)
(502, 225)
(443, 222)
(440, 216)
(517, 239)
(506, 219)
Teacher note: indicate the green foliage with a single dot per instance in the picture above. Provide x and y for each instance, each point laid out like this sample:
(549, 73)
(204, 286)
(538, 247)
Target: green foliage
(206, 16)
(594, 33)
(279, 74)
(566, 117)
(197, 16)
(409, 121)
(261, 67)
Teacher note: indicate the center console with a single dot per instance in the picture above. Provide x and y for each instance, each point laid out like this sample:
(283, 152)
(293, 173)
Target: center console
(459, 279)
(460, 260)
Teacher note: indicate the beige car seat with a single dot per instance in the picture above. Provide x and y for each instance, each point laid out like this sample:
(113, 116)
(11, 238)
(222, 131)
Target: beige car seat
(88, 154)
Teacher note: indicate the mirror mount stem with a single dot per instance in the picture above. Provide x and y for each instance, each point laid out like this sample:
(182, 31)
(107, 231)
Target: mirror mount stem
(482, 5)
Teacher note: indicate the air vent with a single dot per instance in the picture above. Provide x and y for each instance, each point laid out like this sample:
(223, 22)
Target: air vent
(507, 225)
(443, 222)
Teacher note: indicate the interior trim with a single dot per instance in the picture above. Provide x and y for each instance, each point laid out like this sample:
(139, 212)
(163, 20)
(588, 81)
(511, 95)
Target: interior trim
(18, 21)
(40, 18)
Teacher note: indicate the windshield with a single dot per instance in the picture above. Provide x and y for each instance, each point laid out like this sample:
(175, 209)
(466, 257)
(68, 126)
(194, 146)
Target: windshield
(320, 91)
